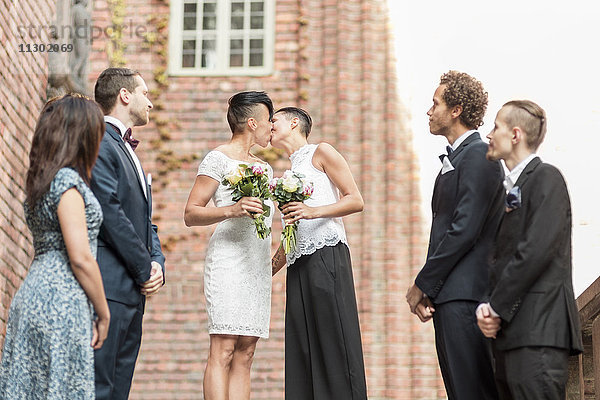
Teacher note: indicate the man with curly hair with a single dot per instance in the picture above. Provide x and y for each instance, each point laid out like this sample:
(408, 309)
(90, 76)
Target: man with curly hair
(467, 205)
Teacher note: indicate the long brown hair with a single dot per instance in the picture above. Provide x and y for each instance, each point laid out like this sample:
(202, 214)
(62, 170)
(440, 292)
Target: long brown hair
(67, 134)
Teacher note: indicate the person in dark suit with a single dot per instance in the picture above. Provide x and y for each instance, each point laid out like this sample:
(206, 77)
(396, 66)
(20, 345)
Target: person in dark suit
(129, 250)
(466, 205)
(531, 311)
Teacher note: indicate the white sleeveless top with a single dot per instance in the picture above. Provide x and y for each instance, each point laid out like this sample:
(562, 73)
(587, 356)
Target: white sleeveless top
(314, 234)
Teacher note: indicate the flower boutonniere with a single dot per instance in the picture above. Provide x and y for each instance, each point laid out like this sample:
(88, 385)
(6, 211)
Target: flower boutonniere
(513, 199)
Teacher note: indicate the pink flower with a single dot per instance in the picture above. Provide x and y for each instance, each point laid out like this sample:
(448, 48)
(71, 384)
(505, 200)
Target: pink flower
(273, 183)
(258, 169)
(308, 189)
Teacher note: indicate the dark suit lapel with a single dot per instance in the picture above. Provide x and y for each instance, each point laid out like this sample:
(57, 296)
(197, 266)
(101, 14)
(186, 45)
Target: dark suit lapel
(470, 139)
(115, 134)
(527, 171)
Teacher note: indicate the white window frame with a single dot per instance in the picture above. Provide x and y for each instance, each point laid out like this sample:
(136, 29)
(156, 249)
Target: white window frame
(223, 35)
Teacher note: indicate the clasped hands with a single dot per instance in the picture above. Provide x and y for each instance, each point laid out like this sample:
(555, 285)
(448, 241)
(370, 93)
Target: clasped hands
(487, 320)
(155, 282)
(419, 304)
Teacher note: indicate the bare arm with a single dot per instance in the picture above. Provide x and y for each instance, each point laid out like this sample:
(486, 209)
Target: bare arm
(328, 160)
(71, 216)
(278, 261)
(197, 214)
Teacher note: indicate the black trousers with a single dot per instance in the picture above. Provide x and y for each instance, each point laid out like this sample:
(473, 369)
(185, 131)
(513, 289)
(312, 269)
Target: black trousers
(464, 354)
(323, 350)
(532, 373)
(115, 361)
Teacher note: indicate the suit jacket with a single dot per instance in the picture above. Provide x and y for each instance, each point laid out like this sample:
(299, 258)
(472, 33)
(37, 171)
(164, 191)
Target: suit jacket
(127, 242)
(466, 204)
(530, 276)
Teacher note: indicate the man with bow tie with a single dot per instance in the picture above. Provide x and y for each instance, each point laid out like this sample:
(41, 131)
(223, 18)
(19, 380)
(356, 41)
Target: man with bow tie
(467, 204)
(531, 311)
(129, 251)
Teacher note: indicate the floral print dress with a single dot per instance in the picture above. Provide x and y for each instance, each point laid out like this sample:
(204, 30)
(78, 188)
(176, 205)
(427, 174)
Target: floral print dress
(47, 352)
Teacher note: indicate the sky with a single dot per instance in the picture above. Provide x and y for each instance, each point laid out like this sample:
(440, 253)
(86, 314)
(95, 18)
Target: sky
(545, 51)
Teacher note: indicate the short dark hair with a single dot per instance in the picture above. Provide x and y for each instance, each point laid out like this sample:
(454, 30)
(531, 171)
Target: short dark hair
(305, 124)
(530, 117)
(109, 84)
(243, 106)
(67, 134)
(465, 91)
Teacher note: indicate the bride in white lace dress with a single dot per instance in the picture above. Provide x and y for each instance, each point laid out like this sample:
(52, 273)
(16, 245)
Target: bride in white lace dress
(237, 271)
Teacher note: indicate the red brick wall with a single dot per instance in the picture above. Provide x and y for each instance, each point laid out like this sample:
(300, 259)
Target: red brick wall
(22, 94)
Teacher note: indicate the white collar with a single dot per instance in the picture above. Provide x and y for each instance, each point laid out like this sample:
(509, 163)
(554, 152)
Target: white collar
(116, 122)
(462, 138)
(513, 176)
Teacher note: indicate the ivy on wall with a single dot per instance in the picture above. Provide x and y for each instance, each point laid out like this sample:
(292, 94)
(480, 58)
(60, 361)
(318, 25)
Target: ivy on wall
(167, 161)
(115, 47)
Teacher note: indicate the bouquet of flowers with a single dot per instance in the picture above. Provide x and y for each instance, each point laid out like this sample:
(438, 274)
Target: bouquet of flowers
(290, 187)
(252, 181)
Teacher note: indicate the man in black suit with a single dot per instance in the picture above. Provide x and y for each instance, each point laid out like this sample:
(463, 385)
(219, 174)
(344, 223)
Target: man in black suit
(129, 251)
(466, 205)
(531, 312)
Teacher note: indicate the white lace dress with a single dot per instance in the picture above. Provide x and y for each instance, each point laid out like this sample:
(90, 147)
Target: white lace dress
(237, 270)
(314, 234)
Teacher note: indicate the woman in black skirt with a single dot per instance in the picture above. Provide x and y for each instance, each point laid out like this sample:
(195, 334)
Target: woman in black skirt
(323, 350)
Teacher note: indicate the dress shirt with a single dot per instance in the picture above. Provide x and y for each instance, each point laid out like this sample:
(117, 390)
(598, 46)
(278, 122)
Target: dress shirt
(122, 129)
(462, 138)
(513, 176)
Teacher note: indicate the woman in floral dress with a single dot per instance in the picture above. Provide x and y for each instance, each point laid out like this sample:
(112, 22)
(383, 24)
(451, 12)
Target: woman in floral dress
(52, 332)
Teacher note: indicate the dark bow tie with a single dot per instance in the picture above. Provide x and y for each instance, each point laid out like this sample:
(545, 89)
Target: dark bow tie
(129, 139)
(449, 151)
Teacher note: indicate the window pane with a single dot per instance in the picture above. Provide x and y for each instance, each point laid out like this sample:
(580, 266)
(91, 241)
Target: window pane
(236, 53)
(189, 45)
(189, 17)
(236, 44)
(209, 54)
(209, 23)
(237, 15)
(237, 8)
(256, 59)
(256, 6)
(189, 8)
(236, 60)
(209, 16)
(188, 55)
(209, 8)
(256, 22)
(256, 15)
(237, 22)
(256, 52)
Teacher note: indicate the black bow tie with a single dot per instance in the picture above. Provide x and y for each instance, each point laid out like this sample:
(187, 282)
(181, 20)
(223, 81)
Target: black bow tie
(129, 139)
(449, 151)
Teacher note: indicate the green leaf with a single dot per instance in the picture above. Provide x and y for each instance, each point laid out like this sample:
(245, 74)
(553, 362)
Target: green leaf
(246, 189)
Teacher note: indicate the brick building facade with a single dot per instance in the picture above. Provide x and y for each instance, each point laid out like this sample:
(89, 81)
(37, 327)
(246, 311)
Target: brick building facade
(332, 57)
(22, 93)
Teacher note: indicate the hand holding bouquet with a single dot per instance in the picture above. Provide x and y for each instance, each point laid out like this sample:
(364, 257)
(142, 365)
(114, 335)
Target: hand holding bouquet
(252, 181)
(289, 188)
